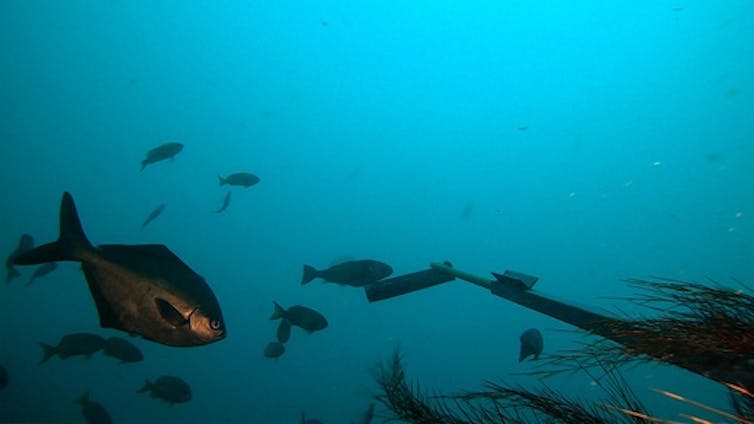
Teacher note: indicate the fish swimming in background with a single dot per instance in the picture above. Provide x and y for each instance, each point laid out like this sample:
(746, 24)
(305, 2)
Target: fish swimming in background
(169, 389)
(139, 289)
(93, 412)
(76, 344)
(351, 273)
(284, 331)
(153, 215)
(531, 344)
(242, 179)
(160, 153)
(42, 270)
(122, 349)
(25, 243)
(226, 202)
(300, 316)
(3, 377)
(274, 350)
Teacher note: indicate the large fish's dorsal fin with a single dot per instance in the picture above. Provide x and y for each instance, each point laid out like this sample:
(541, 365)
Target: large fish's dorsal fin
(154, 259)
(107, 318)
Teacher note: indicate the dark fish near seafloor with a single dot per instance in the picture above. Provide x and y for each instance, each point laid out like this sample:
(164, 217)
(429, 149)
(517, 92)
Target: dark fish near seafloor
(274, 350)
(25, 243)
(300, 316)
(284, 331)
(42, 270)
(160, 153)
(153, 215)
(93, 412)
(122, 349)
(241, 179)
(76, 344)
(168, 388)
(532, 344)
(351, 273)
(140, 289)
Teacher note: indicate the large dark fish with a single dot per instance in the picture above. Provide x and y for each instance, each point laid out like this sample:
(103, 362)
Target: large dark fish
(42, 270)
(284, 331)
(76, 344)
(352, 273)
(168, 388)
(242, 179)
(531, 344)
(226, 202)
(122, 349)
(162, 152)
(25, 243)
(301, 316)
(93, 412)
(154, 214)
(3, 377)
(141, 289)
(274, 350)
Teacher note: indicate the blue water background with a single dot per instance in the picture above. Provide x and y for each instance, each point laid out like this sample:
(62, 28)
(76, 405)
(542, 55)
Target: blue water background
(373, 126)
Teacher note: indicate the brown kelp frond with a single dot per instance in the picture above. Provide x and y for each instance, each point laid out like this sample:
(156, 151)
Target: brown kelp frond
(405, 400)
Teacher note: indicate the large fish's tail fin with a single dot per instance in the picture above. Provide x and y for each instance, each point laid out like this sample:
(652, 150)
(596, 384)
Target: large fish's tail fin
(310, 273)
(47, 352)
(83, 399)
(279, 311)
(147, 387)
(221, 180)
(69, 246)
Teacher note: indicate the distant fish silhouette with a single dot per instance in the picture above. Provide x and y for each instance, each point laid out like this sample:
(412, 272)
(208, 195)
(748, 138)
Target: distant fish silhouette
(522, 128)
(42, 270)
(468, 211)
(154, 214)
(531, 344)
(160, 153)
(25, 243)
(226, 202)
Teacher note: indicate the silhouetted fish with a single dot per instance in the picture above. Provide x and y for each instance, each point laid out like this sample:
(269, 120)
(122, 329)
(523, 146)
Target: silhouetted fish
(274, 350)
(154, 214)
(3, 377)
(25, 243)
(42, 270)
(301, 316)
(93, 412)
(76, 344)
(161, 152)
(352, 273)
(168, 388)
(122, 349)
(226, 202)
(242, 179)
(531, 344)
(284, 331)
(141, 289)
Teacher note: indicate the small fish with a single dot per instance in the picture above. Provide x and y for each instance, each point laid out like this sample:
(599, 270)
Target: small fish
(153, 215)
(677, 9)
(76, 344)
(352, 273)
(226, 202)
(531, 344)
(160, 153)
(42, 270)
(301, 316)
(168, 388)
(122, 349)
(139, 289)
(522, 128)
(3, 377)
(25, 243)
(242, 179)
(93, 412)
(284, 331)
(274, 350)
(468, 211)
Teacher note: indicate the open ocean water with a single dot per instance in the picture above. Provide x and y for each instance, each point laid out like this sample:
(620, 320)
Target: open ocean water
(581, 142)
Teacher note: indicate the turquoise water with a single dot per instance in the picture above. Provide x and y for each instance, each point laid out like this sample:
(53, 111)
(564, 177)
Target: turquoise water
(580, 143)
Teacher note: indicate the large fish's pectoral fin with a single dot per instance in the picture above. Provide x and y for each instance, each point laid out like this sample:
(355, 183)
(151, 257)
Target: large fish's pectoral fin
(169, 313)
(107, 317)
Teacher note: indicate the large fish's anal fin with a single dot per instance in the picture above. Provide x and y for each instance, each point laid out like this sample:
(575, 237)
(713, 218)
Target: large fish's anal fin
(107, 317)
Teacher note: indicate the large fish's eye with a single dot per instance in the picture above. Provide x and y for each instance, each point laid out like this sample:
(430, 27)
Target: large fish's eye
(215, 324)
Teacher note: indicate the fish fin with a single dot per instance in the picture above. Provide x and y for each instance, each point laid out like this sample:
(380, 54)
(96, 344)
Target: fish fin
(12, 273)
(83, 399)
(107, 318)
(222, 180)
(279, 311)
(47, 352)
(310, 273)
(69, 246)
(147, 387)
(169, 313)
